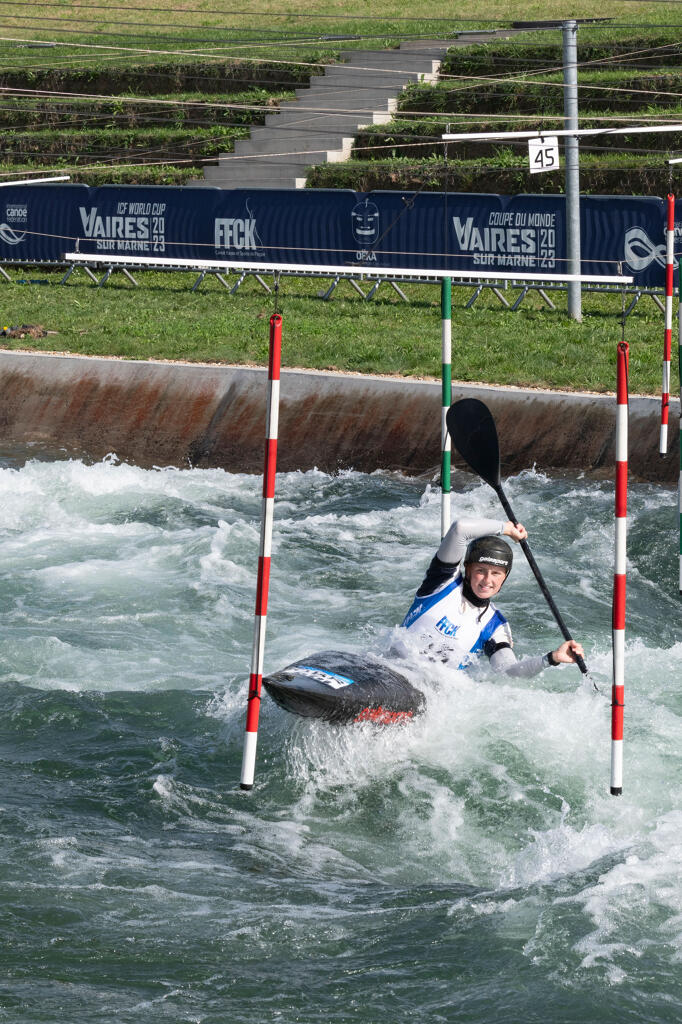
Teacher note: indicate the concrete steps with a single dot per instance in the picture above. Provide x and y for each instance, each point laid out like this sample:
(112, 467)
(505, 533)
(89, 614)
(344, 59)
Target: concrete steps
(320, 124)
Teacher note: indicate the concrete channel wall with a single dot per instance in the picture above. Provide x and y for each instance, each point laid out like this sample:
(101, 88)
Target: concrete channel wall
(169, 414)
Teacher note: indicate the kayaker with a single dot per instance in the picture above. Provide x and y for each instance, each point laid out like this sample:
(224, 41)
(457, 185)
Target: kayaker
(453, 612)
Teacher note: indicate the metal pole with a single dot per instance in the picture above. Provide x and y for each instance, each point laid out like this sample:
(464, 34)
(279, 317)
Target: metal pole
(570, 60)
(446, 378)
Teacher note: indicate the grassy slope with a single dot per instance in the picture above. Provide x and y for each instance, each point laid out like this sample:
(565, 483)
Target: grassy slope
(303, 18)
(164, 319)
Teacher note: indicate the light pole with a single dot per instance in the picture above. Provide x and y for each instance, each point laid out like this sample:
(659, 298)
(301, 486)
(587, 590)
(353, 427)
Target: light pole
(570, 60)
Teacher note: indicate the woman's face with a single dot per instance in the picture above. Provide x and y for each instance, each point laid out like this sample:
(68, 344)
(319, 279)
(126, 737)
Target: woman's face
(485, 580)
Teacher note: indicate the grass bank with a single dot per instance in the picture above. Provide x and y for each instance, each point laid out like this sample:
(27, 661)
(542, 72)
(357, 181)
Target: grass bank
(204, 29)
(151, 96)
(164, 319)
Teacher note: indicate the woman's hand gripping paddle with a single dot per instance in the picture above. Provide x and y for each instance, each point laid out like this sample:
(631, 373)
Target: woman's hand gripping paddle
(473, 432)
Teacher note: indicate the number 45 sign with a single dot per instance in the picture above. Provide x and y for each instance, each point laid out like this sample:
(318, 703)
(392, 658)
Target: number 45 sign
(543, 154)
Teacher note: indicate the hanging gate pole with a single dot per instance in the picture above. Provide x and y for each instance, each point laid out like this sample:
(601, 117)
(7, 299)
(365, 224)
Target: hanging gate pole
(446, 378)
(667, 343)
(618, 634)
(265, 554)
(679, 364)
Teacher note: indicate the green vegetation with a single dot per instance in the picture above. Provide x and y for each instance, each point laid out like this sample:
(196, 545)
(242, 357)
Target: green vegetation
(506, 174)
(168, 79)
(152, 138)
(515, 90)
(246, 28)
(164, 319)
(146, 94)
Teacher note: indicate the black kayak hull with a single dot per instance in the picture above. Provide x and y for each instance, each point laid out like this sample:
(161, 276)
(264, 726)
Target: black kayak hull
(343, 688)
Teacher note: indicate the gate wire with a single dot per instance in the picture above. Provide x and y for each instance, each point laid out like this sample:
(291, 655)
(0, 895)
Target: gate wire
(275, 292)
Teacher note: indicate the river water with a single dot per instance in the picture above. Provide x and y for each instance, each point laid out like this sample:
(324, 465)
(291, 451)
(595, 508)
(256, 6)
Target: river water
(470, 866)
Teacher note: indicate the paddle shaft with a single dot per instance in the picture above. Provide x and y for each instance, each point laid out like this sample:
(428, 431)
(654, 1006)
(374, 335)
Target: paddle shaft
(538, 576)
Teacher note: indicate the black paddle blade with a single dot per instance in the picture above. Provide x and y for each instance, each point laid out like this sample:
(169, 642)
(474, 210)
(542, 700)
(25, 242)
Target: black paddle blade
(474, 435)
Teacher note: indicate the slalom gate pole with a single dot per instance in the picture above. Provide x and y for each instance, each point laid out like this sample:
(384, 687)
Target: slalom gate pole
(265, 554)
(679, 365)
(446, 378)
(667, 343)
(618, 634)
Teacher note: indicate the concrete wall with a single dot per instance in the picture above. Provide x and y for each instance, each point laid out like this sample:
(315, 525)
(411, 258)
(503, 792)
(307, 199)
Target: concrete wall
(159, 414)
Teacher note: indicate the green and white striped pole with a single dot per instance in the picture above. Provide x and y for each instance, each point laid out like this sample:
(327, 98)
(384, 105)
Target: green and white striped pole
(446, 377)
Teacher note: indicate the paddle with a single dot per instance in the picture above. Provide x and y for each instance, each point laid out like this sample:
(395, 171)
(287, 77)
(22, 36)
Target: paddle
(472, 429)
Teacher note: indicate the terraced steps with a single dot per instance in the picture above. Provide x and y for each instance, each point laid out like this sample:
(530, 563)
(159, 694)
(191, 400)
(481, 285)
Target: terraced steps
(320, 124)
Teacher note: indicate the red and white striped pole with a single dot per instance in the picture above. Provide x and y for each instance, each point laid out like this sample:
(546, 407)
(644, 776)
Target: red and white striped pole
(679, 368)
(667, 343)
(263, 581)
(618, 635)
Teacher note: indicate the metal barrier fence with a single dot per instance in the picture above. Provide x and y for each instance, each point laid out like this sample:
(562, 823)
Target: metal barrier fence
(499, 286)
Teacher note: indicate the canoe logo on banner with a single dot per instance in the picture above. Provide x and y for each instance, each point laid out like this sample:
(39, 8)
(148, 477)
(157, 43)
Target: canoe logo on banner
(321, 675)
(16, 216)
(641, 252)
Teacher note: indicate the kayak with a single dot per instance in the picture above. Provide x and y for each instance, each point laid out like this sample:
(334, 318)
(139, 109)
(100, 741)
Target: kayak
(343, 688)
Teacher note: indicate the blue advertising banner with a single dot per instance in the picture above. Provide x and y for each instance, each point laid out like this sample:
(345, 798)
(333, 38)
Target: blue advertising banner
(426, 230)
(462, 231)
(37, 222)
(470, 232)
(632, 228)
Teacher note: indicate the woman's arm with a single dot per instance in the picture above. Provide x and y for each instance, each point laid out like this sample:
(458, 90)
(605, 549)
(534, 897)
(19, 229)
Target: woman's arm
(455, 542)
(505, 661)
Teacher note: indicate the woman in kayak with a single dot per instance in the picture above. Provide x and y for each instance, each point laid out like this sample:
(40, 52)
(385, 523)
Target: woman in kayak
(452, 611)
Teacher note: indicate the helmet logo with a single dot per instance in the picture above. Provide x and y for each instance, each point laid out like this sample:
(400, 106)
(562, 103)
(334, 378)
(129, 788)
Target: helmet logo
(490, 551)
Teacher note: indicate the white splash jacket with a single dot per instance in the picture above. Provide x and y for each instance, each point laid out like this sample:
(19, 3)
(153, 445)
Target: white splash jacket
(453, 627)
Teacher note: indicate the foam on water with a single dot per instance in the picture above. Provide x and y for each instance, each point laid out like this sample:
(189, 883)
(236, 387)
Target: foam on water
(127, 604)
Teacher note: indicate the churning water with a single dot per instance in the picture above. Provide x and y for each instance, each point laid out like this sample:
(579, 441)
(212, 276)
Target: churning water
(470, 866)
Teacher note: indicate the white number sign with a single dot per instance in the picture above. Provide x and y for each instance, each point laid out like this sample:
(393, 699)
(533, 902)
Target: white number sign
(543, 154)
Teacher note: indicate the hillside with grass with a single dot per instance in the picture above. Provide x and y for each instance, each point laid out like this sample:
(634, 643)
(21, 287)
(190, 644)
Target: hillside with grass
(105, 109)
(143, 93)
(152, 125)
(512, 86)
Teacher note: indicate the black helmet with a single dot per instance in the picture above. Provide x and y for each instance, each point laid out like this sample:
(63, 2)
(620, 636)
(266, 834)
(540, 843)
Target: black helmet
(490, 551)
